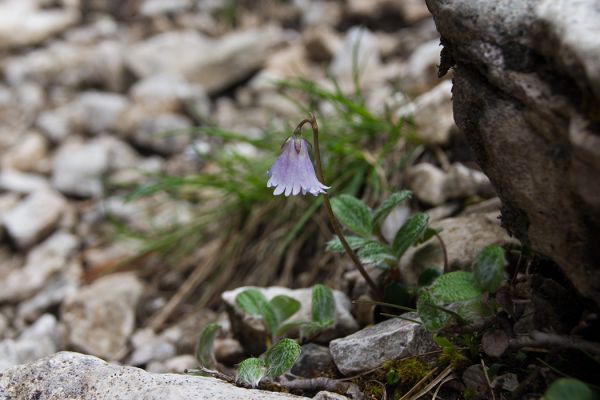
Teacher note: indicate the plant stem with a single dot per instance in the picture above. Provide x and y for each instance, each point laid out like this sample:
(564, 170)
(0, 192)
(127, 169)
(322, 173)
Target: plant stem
(443, 245)
(332, 219)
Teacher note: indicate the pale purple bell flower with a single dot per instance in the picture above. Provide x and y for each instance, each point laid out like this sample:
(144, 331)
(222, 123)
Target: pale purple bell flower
(293, 171)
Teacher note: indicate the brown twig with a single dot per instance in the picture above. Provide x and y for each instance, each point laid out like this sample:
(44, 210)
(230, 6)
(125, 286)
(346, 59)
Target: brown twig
(304, 385)
(545, 340)
(334, 222)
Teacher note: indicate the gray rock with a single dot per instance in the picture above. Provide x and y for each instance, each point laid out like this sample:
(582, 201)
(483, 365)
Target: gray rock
(314, 361)
(39, 340)
(427, 183)
(23, 23)
(97, 112)
(420, 71)
(251, 334)
(165, 134)
(43, 262)
(432, 114)
(56, 124)
(169, 93)
(71, 65)
(30, 154)
(156, 7)
(34, 217)
(528, 73)
(148, 346)
(22, 182)
(78, 168)
(372, 346)
(214, 63)
(101, 317)
(359, 44)
(72, 375)
(56, 288)
(177, 365)
(321, 43)
(433, 186)
(464, 237)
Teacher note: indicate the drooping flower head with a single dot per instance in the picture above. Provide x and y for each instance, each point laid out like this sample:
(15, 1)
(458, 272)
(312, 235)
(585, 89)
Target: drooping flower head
(293, 171)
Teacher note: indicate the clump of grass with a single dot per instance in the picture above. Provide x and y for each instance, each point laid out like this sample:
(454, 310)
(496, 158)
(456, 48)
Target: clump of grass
(262, 239)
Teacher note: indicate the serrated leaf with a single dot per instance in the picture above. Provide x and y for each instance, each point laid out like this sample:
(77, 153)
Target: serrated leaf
(253, 302)
(323, 305)
(488, 268)
(409, 233)
(353, 213)
(453, 287)
(568, 388)
(281, 357)
(284, 307)
(355, 242)
(251, 371)
(204, 348)
(388, 205)
(432, 317)
(375, 252)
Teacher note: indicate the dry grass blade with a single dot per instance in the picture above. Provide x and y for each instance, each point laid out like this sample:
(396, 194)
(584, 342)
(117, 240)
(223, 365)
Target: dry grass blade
(201, 272)
(411, 395)
(487, 379)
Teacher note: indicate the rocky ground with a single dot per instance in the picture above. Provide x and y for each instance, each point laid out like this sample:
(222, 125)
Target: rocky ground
(89, 89)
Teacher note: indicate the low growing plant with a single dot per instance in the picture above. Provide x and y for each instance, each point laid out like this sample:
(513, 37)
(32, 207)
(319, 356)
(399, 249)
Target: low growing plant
(280, 357)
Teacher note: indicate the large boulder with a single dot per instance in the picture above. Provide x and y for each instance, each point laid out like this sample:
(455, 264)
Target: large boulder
(527, 94)
(67, 375)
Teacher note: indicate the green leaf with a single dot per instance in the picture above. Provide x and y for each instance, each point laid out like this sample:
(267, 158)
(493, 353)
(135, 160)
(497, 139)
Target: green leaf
(309, 329)
(470, 310)
(204, 347)
(454, 286)
(355, 242)
(323, 305)
(428, 234)
(288, 326)
(375, 252)
(388, 205)
(568, 388)
(428, 276)
(432, 317)
(251, 371)
(488, 268)
(353, 213)
(444, 343)
(284, 307)
(253, 302)
(281, 357)
(409, 233)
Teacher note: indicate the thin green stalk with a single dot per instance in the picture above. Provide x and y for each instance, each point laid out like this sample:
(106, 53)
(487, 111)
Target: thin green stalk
(334, 222)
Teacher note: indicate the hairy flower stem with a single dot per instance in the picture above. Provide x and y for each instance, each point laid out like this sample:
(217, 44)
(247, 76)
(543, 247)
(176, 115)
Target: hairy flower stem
(332, 219)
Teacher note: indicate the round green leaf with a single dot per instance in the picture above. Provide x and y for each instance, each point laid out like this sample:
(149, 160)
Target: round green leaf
(281, 357)
(568, 388)
(454, 286)
(488, 268)
(251, 371)
(353, 213)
